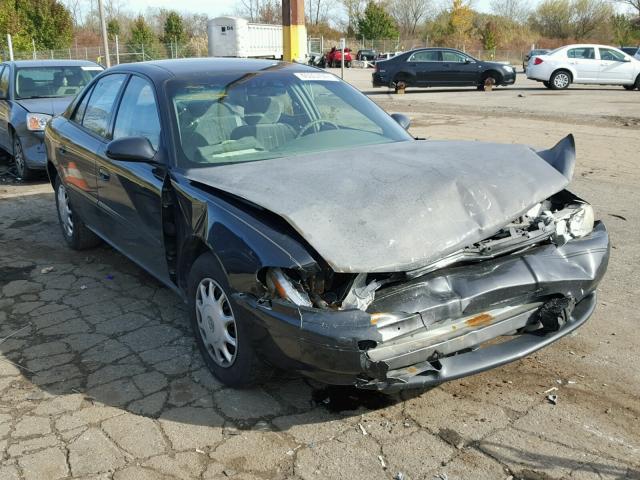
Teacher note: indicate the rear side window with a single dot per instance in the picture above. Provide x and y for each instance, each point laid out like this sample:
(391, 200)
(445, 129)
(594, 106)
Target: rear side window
(587, 53)
(425, 56)
(101, 103)
(79, 113)
(4, 82)
(138, 113)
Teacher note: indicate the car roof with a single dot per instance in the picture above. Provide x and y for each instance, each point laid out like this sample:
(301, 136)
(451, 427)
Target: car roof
(158, 69)
(50, 63)
(592, 45)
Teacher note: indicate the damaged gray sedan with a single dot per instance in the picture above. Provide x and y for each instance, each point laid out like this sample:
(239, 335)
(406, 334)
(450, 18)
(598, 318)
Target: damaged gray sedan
(307, 230)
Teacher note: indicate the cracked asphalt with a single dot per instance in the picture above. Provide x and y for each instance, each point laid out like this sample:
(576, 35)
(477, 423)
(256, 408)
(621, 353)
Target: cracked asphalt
(100, 377)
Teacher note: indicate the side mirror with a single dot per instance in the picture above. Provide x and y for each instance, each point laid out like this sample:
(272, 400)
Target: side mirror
(131, 149)
(402, 120)
(467, 61)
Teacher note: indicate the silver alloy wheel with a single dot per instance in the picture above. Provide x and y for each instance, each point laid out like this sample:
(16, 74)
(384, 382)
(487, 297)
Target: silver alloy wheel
(66, 216)
(18, 157)
(561, 80)
(216, 322)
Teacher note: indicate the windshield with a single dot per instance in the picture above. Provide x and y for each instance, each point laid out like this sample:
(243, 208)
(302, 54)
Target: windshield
(54, 81)
(231, 118)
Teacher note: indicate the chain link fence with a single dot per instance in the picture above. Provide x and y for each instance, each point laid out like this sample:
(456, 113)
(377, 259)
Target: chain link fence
(198, 48)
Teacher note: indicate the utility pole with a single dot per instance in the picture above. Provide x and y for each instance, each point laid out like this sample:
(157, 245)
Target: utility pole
(10, 45)
(294, 33)
(103, 27)
(117, 51)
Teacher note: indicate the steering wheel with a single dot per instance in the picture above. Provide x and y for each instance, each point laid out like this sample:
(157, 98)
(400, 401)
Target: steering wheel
(313, 123)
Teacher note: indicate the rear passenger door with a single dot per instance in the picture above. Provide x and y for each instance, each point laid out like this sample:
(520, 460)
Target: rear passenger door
(130, 193)
(79, 143)
(427, 65)
(584, 62)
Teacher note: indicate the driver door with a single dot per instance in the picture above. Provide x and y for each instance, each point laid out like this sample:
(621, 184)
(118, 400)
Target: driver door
(130, 193)
(615, 67)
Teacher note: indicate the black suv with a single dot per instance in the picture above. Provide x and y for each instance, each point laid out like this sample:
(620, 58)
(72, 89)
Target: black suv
(439, 67)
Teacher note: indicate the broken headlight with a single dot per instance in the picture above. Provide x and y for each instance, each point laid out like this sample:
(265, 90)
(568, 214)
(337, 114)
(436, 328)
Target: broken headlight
(580, 223)
(286, 288)
(574, 221)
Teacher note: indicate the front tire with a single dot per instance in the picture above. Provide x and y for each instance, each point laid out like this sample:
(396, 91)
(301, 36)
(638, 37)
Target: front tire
(629, 87)
(74, 230)
(223, 337)
(560, 80)
(22, 170)
(546, 84)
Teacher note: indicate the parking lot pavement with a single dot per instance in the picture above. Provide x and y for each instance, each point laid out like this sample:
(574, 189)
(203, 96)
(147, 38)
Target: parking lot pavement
(100, 377)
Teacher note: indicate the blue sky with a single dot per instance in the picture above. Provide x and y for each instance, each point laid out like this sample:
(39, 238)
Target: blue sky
(214, 8)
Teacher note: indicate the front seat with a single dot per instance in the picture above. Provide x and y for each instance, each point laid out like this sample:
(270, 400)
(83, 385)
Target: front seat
(262, 116)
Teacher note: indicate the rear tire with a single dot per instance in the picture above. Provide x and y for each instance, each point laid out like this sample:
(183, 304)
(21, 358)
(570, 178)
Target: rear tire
(560, 80)
(217, 326)
(74, 230)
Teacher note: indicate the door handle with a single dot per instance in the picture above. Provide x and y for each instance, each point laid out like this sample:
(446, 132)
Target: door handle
(104, 174)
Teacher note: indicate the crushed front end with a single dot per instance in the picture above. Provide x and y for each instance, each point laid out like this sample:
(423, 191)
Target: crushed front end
(493, 302)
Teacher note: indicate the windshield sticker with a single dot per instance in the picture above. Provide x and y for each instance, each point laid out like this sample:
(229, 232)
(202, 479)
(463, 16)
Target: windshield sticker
(317, 77)
(91, 68)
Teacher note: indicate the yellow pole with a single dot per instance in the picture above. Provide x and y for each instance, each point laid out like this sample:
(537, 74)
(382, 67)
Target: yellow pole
(294, 33)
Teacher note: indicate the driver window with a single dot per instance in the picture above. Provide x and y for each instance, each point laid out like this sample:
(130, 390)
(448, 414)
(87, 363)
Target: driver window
(453, 57)
(138, 113)
(425, 56)
(609, 54)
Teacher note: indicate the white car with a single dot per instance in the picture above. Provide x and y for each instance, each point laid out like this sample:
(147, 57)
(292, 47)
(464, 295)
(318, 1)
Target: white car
(594, 64)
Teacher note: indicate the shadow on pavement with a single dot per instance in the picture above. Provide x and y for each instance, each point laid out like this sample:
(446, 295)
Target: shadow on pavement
(93, 327)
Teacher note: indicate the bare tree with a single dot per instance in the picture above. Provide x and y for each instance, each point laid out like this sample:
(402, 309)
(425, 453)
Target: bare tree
(317, 11)
(76, 10)
(264, 11)
(589, 15)
(635, 4)
(515, 10)
(409, 14)
(353, 10)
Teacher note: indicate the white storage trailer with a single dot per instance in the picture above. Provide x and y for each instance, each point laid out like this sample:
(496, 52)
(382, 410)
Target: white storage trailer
(236, 37)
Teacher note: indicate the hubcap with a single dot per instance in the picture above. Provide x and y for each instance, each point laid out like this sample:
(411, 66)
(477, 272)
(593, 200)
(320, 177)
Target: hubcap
(216, 323)
(561, 80)
(18, 158)
(66, 217)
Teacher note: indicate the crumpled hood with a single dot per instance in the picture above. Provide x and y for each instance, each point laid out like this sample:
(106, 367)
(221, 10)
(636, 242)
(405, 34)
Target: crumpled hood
(396, 206)
(50, 106)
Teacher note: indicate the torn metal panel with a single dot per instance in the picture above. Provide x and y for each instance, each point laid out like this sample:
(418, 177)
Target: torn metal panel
(394, 207)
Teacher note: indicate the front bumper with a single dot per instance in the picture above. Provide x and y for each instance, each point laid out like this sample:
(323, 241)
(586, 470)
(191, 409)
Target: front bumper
(437, 327)
(509, 78)
(33, 149)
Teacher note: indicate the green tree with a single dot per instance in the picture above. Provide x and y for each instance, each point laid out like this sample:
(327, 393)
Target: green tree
(47, 22)
(173, 28)
(489, 35)
(376, 23)
(113, 28)
(141, 38)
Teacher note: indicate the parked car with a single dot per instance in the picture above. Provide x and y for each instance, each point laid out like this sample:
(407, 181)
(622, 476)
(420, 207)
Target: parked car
(307, 229)
(366, 55)
(333, 58)
(631, 51)
(31, 92)
(317, 60)
(439, 67)
(531, 54)
(387, 55)
(588, 64)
